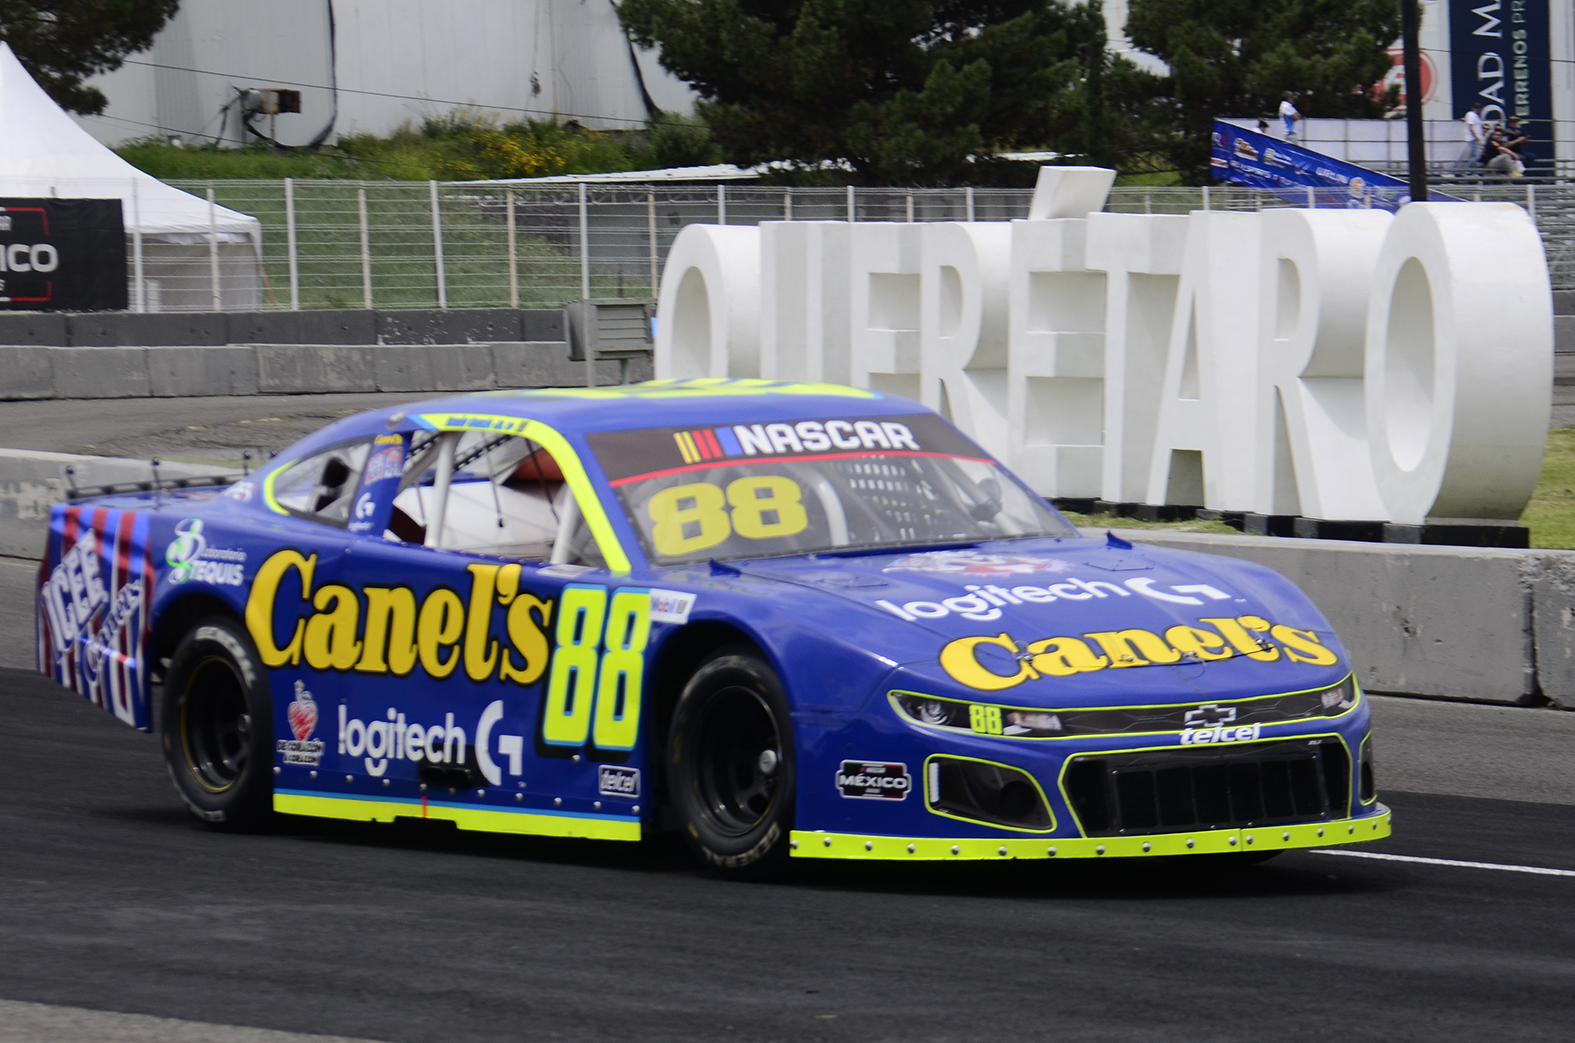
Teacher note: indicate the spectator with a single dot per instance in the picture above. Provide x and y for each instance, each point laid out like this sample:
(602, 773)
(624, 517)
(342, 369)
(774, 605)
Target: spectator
(1476, 135)
(1263, 125)
(1516, 139)
(1289, 114)
(1499, 157)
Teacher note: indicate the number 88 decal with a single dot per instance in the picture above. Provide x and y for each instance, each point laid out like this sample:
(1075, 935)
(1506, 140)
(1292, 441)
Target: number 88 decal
(598, 668)
(690, 518)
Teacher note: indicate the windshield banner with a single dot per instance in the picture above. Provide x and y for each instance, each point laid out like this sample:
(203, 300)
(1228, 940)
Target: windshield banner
(629, 456)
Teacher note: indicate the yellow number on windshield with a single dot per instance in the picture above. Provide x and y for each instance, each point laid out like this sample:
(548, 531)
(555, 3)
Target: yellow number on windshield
(766, 505)
(688, 518)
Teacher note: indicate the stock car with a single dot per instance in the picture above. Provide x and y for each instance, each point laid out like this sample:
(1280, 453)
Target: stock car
(786, 620)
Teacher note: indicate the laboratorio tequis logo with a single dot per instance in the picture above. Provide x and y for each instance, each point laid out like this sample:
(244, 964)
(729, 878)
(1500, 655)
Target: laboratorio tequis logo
(190, 557)
(976, 563)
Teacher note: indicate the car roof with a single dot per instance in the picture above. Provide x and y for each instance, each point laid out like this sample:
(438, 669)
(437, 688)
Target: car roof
(655, 403)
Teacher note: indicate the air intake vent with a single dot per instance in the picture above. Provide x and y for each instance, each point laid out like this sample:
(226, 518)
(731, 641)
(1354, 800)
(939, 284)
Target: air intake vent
(984, 792)
(1369, 788)
(1164, 791)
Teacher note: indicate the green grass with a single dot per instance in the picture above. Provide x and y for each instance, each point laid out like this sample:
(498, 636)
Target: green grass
(1551, 513)
(1111, 521)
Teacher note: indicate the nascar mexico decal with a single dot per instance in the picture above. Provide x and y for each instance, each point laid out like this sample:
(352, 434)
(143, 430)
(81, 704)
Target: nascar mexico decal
(93, 609)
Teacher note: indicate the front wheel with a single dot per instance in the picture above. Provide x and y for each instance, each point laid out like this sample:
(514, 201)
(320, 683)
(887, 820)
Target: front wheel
(217, 726)
(730, 764)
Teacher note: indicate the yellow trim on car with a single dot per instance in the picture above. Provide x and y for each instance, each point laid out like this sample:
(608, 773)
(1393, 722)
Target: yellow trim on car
(484, 820)
(808, 844)
(568, 462)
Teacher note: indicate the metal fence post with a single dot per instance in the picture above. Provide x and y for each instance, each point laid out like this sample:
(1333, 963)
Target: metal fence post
(1531, 203)
(910, 208)
(585, 286)
(787, 205)
(213, 251)
(289, 231)
(136, 246)
(721, 204)
(968, 199)
(650, 217)
(437, 247)
(851, 211)
(1205, 197)
(1148, 200)
(514, 261)
(1312, 199)
(366, 250)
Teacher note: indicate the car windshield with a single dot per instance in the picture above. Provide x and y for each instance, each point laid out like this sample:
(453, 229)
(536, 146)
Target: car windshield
(765, 490)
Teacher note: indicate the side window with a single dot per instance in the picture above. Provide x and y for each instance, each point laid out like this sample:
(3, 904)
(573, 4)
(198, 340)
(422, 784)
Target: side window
(322, 486)
(505, 497)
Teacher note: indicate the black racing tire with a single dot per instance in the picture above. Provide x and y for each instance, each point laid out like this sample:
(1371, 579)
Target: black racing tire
(735, 810)
(216, 725)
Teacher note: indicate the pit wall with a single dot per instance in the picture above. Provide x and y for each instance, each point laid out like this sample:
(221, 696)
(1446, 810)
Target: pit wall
(1441, 622)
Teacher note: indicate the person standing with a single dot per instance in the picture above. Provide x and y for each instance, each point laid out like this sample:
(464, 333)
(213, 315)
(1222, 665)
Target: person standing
(1476, 136)
(1289, 114)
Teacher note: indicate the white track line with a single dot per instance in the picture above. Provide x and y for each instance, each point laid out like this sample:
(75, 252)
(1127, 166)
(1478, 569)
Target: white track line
(1536, 870)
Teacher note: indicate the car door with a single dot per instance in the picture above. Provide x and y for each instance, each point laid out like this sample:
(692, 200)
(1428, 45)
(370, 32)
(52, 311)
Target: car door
(486, 628)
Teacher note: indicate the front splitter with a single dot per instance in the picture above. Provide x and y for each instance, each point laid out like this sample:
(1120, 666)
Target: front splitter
(810, 844)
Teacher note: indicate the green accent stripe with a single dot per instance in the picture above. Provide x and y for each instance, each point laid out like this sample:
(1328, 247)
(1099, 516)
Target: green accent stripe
(808, 844)
(486, 820)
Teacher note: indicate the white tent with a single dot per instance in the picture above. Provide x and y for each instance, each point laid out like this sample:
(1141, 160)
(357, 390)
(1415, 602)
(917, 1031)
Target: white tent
(46, 154)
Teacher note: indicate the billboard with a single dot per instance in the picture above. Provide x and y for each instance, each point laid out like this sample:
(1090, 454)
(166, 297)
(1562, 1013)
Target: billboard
(1300, 175)
(1500, 56)
(62, 255)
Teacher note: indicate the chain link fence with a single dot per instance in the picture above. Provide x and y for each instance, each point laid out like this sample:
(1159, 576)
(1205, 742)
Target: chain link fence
(390, 245)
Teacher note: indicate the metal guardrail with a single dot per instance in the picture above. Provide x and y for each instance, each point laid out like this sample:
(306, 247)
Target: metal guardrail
(349, 244)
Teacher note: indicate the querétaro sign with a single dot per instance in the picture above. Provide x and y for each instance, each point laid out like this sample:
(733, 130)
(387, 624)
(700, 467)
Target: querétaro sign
(1499, 56)
(62, 255)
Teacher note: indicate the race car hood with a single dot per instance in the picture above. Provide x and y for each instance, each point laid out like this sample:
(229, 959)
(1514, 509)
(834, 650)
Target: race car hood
(1067, 622)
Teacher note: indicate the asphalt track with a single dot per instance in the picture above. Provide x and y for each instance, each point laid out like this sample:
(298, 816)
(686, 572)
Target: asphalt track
(113, 900)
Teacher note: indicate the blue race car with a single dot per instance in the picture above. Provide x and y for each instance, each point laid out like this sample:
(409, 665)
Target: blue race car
(788, 620)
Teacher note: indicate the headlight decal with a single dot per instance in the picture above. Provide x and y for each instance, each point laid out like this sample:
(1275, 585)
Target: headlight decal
(1024, 722)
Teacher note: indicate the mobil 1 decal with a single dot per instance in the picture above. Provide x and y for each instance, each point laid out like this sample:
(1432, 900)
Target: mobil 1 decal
(646, 452)
(584, 647)
(62, 255)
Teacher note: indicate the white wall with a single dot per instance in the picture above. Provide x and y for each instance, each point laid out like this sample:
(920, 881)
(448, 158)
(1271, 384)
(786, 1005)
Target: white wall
(398, 61)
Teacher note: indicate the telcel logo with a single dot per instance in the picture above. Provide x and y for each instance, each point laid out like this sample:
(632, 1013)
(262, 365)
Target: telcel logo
(1206, 736)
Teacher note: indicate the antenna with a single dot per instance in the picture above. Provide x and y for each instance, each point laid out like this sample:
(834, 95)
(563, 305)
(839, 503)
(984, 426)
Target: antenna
(246, 461)
(71, 481)
(492, 481)
(157, 497)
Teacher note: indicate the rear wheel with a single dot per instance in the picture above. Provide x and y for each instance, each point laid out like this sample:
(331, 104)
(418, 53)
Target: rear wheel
(730, 768)
(217, 724)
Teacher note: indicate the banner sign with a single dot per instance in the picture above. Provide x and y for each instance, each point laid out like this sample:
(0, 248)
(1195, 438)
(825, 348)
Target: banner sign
(1300, 175)
(62, 255)
(1499, 56)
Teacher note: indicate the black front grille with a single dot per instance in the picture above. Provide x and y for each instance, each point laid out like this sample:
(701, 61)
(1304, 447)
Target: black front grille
(1166, 791)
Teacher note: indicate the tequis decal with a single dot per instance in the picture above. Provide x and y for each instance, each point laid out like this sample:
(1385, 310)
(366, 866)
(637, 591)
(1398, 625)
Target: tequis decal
(984, 603)
(613, 781)
(190, 557)
(976, 563)
(874, 780)
(992, 663)
(596, 681)
(302, 717)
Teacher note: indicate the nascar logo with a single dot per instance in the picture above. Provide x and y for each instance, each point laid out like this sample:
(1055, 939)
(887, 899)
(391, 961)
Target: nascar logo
(807, 436)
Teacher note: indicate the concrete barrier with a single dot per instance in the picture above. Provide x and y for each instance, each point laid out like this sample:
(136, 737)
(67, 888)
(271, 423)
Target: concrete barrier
(33, 482)
(1443, 622)
(37, 371)
(342, 326)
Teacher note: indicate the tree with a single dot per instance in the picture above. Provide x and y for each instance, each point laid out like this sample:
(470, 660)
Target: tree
(901, 91)
(1238, 57)
(63, 42)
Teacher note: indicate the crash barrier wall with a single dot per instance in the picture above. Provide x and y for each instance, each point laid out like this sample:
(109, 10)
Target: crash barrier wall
(1442, 622)
(294, 369)
(33, 482)
(1333, 364)
(332, 244)
(352, 326)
